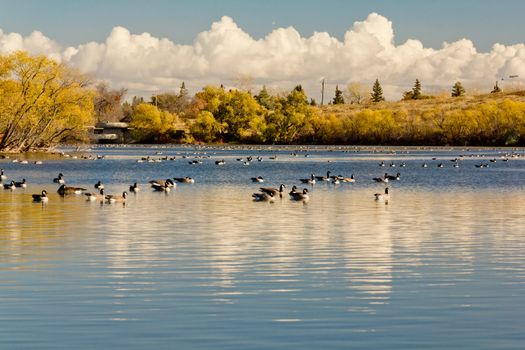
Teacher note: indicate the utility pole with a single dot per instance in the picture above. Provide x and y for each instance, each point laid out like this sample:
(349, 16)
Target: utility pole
(322, 91)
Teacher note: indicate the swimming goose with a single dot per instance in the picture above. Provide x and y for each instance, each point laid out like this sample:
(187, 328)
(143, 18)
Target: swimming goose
(22, 184)
(382, 163)
(10, 186)
(94, 196)
(257, 179)
(186, 180)
(263, 197)
(59, 179)
(299, 196)
(161, 188)
(220, 162)
(274, 191)
(157, 183)
(99, 185)
(2, 175)
(310, 181)
(383, 179)
(113, 198)
(66, 190)
(134, 188)
(40, 197)
(396, 177)
(382, 196)
(349, 179)
(324, 178)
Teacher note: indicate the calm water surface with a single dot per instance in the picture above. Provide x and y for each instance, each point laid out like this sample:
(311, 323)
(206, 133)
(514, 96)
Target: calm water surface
(442, 266)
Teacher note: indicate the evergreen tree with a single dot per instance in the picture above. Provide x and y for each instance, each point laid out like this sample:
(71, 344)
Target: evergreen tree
(265, 99)
(458, 90)
(183, 92)
(313, 102)
(338, 99)
(496, 89)
(377, 92)
(416, 90)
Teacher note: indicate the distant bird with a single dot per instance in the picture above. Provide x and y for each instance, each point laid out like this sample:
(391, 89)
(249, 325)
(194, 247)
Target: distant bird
(95, 196)
(456, 165)
(220, 162)
(310, 181)
(59, 179)
(383, 179)
(392, 164)
(21, 184)
(40, 198)
(274, 191)
(2, 175)
(10, 186)
(168, 182)
(382, 196)
(349, 179)
(396, 177)
(134, 188)
(161, 188)
(185, 180)
(424, 165)
(299, 196)
(481, 165)
(257, 179)
(67, 190)
(440, 165)
(382, 163)
(336, 180)
(112, 198)
(324, 178)
(403, 164)
(99, 185)
(263, 197)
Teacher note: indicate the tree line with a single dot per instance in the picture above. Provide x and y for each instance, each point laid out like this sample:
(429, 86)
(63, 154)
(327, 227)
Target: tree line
(43, 102)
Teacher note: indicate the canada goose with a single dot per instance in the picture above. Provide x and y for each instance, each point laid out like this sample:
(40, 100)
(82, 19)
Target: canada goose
(195, 162)
(349, 179)
(259, 159)
(59, 179)
(382, 196)
(424, 165)
(383, 179)
(22, 184)
(10, 186)
(94, 196)
(336, 181)
(112, 198)
(456, 165)
(40, 197)
(324, 178)
(220, 162)
(2, 175)
(167, 182)
(396, 177)
(257, 179)
(481, 165)
(274, 191)
(134, 188)
(66, 190)
(299, 196)
(161, 188)
(440, 165)
(392, 164)
(382, 163)
(310, 181)
(403, 164)
(99, 185)
(263, 197)
(186, 180)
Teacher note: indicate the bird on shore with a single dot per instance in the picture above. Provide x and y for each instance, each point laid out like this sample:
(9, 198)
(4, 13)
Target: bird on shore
(382, 196)
(310, 181)
(274, 191)
(21, 184)
(134, 188)
(299, 196)
(99, 185)
(67, 190)
(185, 180)
(40, 198)
(94, 196)
(257, 179)
(113, 198)
(59, 179)
(263, 197)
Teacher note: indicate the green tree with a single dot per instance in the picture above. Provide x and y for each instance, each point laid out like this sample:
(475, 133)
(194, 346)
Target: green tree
(377, 92)
(496, 89)
(338, 98)
(416, 90)
(458, 90)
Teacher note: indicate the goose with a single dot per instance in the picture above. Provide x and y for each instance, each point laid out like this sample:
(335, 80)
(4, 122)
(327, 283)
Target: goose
(392, 165)
(382, 196)
(161, 188)
(59, 179)
(167, 182)
(112, 198)
(66, 190)
(257, 179)
(456, 165)
(99, 185)
(310, 181)
(263, 197)
(403, 164)
(383, 179)
(440, 165)
(324, 178)
(396, 177)
(21, 184)
(186, 180)
(220, 162)
(299, 196)
(134, 188)
(274, 191)
(94, 196)
(10, 186)
(2, 175)
(424, 165)
(382, 163)
(349, 179)
(41, 198)
(336, 181)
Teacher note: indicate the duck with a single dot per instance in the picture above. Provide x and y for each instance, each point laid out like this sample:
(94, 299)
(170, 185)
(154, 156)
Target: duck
(94, 196)
(161, 188)
(383, 179)
(10, 186)
(396, 177)
(112, 198)
(66, 190)
(40, 198)
(274, 191)
(167, 182)
(21, 184)
(299, 196)
(59, 179)
(186, 180)
(324, 178)
(2, 175)
(382, 196)
(99, 185)
(134, 188)
(310, 181)
(257, 179)
(263, 197)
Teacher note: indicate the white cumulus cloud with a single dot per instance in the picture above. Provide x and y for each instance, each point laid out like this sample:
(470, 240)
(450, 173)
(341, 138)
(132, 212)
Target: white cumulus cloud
(283, 58)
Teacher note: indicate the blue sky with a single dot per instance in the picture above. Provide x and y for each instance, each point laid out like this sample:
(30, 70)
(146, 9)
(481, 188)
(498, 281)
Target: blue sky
(71, 22)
